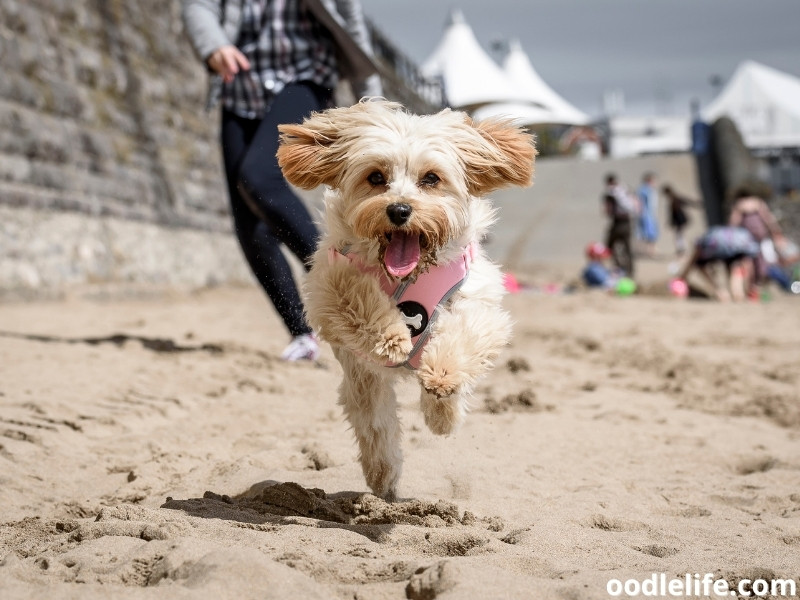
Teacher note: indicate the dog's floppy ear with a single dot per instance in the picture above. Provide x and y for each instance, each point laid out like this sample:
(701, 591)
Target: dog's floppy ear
(503, 157)
(305, 155)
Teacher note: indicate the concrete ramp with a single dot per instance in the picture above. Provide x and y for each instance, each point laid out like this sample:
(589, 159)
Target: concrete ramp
(551, 222)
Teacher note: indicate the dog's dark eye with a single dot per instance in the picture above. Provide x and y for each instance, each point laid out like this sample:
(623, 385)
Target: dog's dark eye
(430, 179)
(376, 178)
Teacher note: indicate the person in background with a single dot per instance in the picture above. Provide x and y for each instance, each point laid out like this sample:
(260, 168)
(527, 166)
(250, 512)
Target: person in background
(751, 212)
(270, 63)
(620, 207)
(648, 213)
(736, 249)
(678, 216)
(597, 273)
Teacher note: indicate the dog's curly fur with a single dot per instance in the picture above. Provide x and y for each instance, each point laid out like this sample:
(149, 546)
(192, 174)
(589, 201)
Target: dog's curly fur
(374, 155)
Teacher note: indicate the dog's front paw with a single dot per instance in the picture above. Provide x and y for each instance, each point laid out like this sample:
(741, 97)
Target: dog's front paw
(442, 415)
(395, 344)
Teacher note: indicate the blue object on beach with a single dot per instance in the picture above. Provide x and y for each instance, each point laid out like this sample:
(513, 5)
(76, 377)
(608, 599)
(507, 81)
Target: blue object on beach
(595, 275)
(701, 138)
(780, 276)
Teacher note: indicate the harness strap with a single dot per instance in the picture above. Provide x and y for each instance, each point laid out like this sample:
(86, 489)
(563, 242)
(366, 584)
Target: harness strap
(419, 301)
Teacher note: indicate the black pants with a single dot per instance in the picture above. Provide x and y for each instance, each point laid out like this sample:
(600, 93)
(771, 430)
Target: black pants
(266, 213)
(618, 240)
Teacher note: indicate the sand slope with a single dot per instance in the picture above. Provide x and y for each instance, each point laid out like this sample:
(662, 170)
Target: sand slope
(157, 448)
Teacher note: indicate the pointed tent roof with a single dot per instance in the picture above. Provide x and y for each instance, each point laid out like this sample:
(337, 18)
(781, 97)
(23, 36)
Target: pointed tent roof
(471, 78)
(763, 102)
(532, 87)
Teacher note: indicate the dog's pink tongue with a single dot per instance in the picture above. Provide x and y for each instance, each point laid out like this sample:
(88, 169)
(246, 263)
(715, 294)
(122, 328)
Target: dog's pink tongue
(402, 253)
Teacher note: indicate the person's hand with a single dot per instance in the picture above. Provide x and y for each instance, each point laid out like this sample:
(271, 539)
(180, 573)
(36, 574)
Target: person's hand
(227, 61)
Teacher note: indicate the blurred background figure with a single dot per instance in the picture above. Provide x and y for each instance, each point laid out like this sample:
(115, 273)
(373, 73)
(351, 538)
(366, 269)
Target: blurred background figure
(678, 216)
(648, 213)
(751, 212)
(732, 247)
(620, 207)
(597, 273)
(273, 63)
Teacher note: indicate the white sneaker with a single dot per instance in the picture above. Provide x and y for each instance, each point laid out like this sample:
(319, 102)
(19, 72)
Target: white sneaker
(302, 347)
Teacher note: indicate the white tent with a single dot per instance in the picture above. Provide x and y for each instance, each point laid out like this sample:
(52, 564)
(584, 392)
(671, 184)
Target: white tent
(471, 78)
(764, 103)
(532, 87)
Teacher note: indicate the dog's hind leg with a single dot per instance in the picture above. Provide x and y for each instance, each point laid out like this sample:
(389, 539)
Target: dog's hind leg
(370, 405)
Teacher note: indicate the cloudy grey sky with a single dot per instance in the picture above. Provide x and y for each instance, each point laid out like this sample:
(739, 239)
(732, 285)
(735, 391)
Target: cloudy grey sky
(660, 53)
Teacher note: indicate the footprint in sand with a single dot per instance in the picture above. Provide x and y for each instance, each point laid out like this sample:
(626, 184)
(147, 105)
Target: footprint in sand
(516, 536)
(517, 364)
(600, 521)
(431, 582)
(318, 458)
(20, 436)
(693, 512)
(444, 542)
(523, 401)
(791, 540)
(657, 550)
(755, 464)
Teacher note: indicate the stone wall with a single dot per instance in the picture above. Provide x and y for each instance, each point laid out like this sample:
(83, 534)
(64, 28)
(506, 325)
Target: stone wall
(101, 112)
(105, 142)
(50, 254)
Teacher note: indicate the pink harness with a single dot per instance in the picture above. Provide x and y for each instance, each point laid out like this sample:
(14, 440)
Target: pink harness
(418, 301)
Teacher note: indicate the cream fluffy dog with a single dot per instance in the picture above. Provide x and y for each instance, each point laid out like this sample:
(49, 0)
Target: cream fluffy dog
(405, 203)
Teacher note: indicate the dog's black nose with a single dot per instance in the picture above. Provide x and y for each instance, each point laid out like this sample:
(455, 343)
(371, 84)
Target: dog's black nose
(398, 212)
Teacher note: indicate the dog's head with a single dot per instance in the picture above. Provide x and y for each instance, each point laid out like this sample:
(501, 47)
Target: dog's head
(405, 186)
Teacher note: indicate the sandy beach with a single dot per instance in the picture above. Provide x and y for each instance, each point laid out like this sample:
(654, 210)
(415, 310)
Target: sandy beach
(156, 447)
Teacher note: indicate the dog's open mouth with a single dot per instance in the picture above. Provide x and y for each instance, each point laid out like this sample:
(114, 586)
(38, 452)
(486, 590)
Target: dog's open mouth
(403, 251)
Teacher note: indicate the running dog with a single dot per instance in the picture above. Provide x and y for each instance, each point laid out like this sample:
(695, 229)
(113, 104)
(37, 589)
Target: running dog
(399, 283)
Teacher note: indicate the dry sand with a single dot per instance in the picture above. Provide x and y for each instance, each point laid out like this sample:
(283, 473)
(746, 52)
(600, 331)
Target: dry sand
(157, 448)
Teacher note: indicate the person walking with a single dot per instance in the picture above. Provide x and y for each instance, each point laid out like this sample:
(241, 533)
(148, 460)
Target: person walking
(619, 206)
(678, 216)
(274, 62)
(648, 213)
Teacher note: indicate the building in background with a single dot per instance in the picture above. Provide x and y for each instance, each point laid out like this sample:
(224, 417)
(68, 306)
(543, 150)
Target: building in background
(640, 135)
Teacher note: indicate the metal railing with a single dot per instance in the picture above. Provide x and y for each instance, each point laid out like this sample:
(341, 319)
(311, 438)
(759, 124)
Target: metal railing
(401, 77)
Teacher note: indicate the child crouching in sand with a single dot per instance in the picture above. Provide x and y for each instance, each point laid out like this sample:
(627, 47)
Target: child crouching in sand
(736, 248)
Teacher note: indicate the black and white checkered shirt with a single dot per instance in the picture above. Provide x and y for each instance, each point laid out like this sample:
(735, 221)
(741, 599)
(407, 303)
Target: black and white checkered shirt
(284, 44)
